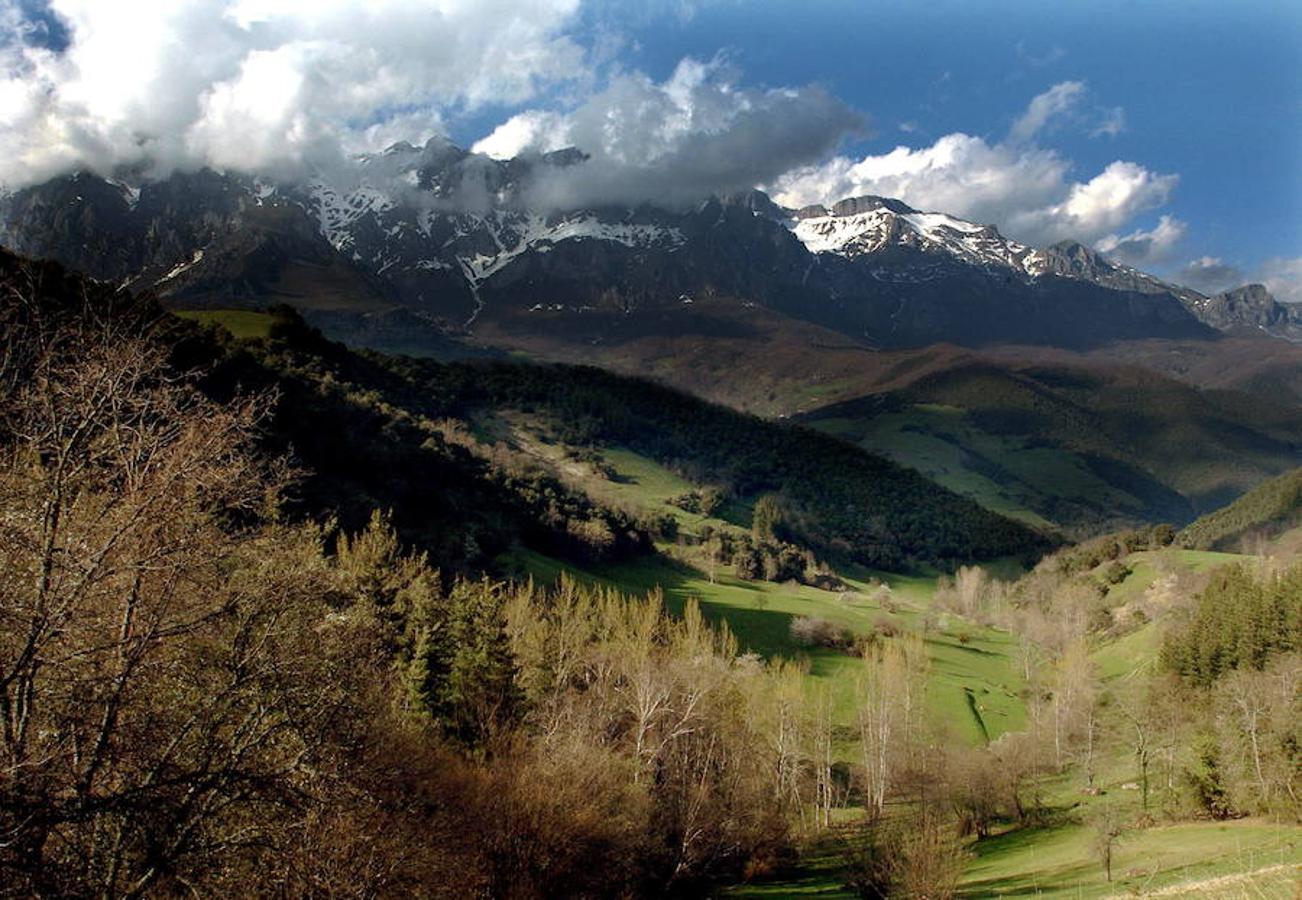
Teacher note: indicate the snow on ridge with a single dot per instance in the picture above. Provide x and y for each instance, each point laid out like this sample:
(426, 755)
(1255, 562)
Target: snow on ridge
(628, 234)
(869, 231)
(181, 267)
(845, 235)
(534, 232)
(510, 234)
(337, 212)
(930, 222)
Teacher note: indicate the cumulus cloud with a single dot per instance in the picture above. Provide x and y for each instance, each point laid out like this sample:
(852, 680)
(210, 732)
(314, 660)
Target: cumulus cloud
(696, 133)
(1023, 187)
(959, 173)
(1045, 107)
(274, 86)
(1209, 274)
(260, 84)
(535, 129)
(1283, 277)
(1141, 247)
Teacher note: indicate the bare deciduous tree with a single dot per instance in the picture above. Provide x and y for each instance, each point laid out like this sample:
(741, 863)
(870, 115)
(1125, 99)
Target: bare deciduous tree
(152, 696)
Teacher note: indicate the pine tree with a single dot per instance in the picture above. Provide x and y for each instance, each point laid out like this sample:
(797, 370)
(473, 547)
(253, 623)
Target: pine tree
(480, 693)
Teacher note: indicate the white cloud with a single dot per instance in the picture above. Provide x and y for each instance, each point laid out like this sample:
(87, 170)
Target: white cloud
(696, 133)
(261, 83)
(1283, 277)
(1141, 247)
(1106, 202)
(959, 174)
(535, 129)
(1045, 107)
(1111, 123)
(271, 85)
(1017, 184)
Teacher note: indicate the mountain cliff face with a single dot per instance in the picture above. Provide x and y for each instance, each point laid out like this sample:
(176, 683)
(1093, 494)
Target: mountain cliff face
(1250, 308)
(453, 238)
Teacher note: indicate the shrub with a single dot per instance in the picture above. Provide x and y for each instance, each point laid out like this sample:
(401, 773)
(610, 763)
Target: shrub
(811, 631)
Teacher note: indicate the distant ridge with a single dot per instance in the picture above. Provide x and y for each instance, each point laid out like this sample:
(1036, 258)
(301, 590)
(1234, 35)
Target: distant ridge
(403, 230)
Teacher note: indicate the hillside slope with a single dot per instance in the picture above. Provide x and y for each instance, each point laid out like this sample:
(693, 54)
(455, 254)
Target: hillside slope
(834, 497)
(1087, 448)
(1268, 510)
(366, 429)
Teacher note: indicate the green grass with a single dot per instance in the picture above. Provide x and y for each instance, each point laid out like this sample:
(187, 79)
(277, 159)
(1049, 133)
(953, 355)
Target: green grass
(944, 444)
(1233, 859)
(974, 686)
(819, 875)
(1129, 656)
(644, 484)
(1244, 859)
(1134, 653)
(760, 614)
(973, 693)
(1061, 862)
(640, 484)
(241, 323)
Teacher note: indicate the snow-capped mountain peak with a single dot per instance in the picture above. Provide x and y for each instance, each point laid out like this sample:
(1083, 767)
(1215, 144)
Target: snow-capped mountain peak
(863, 226)
(448, 233)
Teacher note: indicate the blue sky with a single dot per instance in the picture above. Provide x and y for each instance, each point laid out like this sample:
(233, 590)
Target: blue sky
(1167, 134)
(1209, 92)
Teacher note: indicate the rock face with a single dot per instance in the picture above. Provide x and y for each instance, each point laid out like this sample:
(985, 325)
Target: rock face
(450, 236)
(1251, 308)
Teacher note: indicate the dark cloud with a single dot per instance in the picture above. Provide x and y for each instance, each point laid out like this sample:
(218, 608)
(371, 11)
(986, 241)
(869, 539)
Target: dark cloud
(1210, 275)
(672, 143)
(1145, 247)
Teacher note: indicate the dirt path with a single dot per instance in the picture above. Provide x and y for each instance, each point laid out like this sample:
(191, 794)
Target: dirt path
(1224, 882)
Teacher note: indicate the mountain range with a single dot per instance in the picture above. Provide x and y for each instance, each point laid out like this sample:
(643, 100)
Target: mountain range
(436, 239)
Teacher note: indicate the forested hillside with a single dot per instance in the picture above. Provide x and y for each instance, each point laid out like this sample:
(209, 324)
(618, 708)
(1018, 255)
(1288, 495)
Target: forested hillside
(833, 497)
(200, 696)
(1267, 510)
(364, 429)
(1089, 449)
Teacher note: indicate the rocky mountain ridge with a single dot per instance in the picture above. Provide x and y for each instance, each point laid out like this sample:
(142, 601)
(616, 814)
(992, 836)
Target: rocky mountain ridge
(449, 236)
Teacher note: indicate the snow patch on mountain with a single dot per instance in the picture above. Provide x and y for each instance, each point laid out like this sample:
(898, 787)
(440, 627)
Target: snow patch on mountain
(130, 193)
(521, 234)
(181, 267)
(847, 236)
(336, 211)
(859, 232)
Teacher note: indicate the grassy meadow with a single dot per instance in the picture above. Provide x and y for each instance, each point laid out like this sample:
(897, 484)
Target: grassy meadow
(241, 323)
